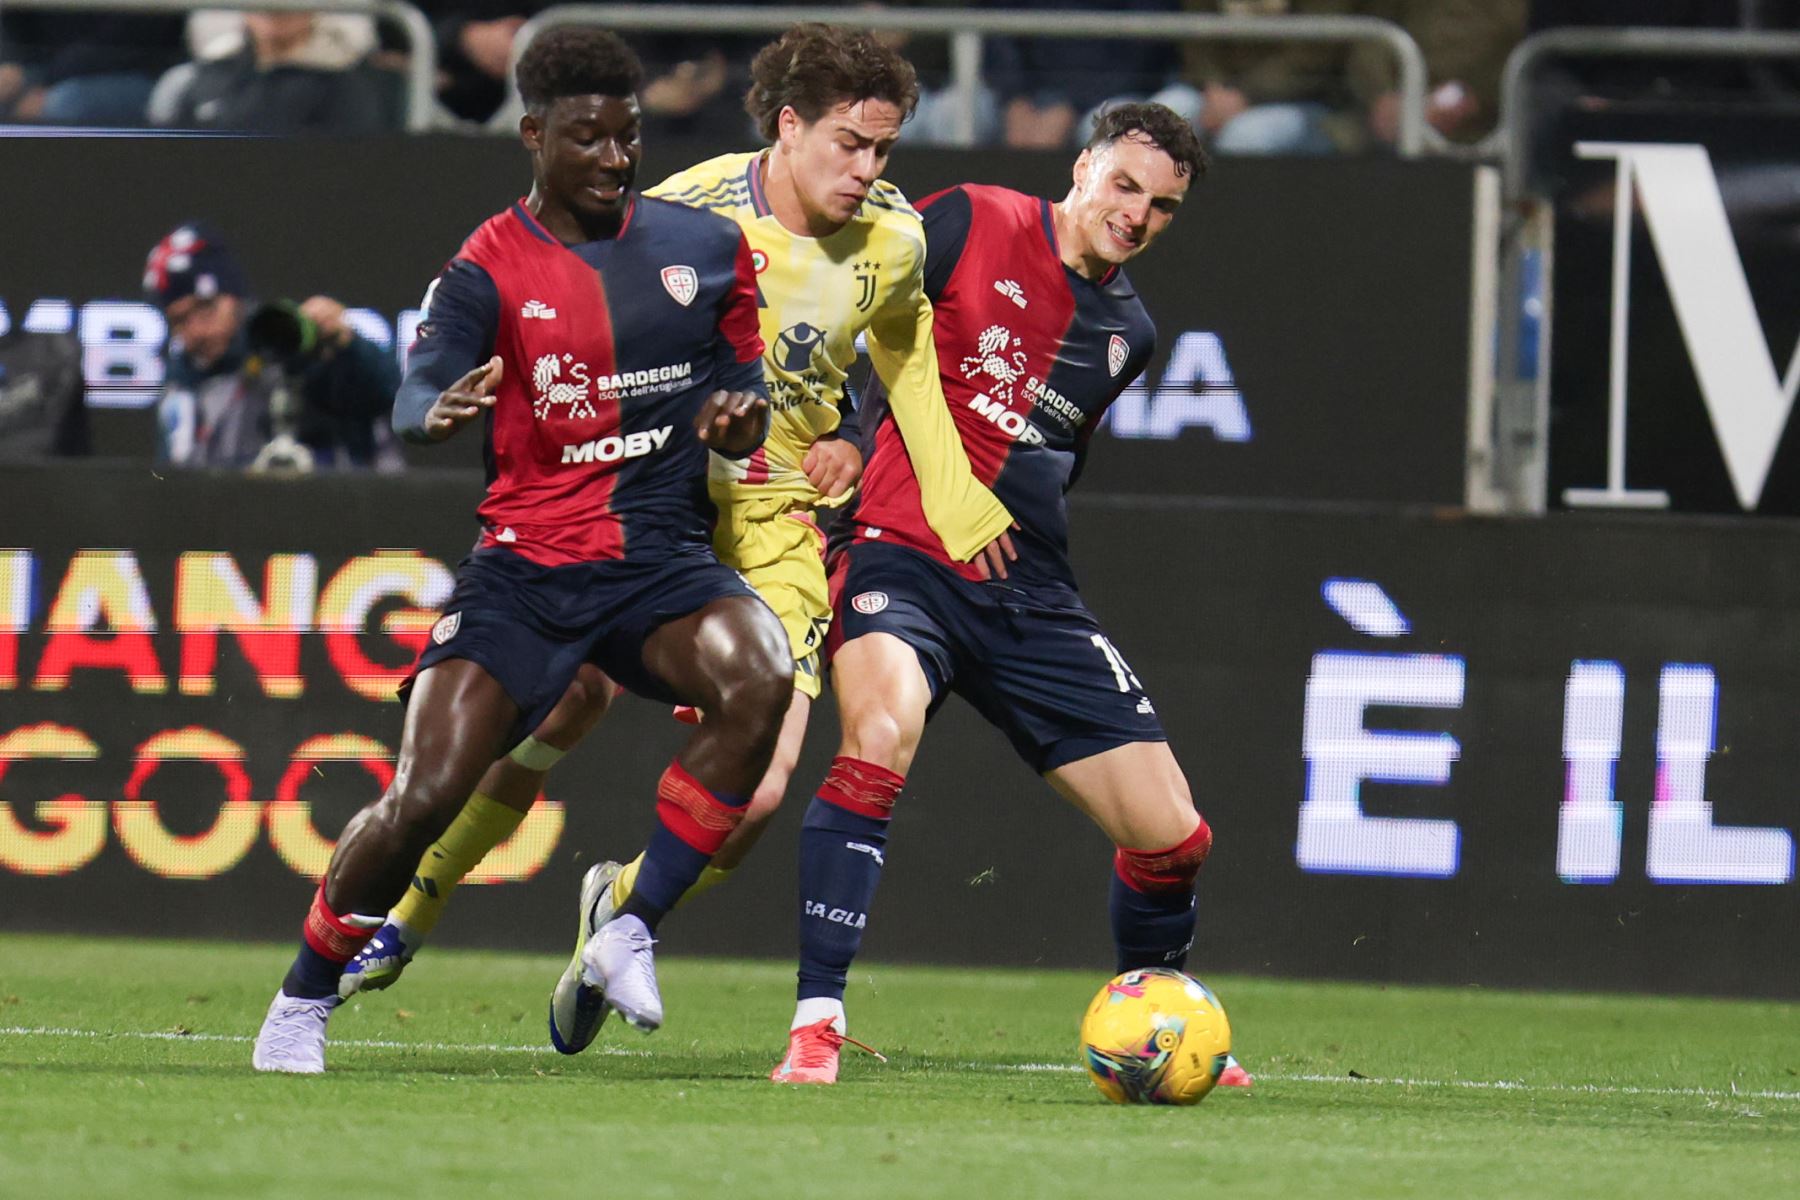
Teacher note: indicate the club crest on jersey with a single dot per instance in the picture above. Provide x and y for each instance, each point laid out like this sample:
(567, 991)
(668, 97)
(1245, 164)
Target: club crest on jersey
(869, 603)
(681, 283)
(446, 627)
(1116, 354)
(759, 261)
(865, 280)
(537, 309)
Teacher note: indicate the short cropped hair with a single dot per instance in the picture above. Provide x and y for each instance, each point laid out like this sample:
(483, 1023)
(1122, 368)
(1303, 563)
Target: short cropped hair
(1169, 130)
(574, 60)
(814, 68)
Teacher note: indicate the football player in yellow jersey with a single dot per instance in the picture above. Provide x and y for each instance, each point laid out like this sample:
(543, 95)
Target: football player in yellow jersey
(839, 254)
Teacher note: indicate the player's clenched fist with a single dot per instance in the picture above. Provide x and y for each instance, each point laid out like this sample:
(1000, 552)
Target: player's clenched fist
(833, 465)
(463, 401)
(732, 422)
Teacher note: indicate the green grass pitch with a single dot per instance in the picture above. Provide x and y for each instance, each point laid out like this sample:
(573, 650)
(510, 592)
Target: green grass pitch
(125, 1071)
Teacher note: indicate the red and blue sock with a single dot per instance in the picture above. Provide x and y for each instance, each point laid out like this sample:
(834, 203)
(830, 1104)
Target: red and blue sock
(843, 845)
(1152, 903)
(327, 943)
(691, 824)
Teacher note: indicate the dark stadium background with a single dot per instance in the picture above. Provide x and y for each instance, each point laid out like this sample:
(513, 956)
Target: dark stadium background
(1340, 291)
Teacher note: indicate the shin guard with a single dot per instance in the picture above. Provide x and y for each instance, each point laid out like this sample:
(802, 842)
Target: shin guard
(843, 846)
(691, 824)
(1152, 902)
(328, 941)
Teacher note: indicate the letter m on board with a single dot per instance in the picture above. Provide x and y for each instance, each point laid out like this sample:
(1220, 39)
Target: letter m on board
(1748, 403)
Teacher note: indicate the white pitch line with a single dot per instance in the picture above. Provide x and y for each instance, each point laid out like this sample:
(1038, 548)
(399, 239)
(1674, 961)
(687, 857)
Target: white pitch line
(1480, 1085)
(358, 1043)
(1595, 1089)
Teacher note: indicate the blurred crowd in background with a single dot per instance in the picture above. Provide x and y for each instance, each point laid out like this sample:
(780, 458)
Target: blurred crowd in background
(302, 71)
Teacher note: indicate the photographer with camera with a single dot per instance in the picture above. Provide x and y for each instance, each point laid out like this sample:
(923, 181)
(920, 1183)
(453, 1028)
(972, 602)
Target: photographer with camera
(271, 386)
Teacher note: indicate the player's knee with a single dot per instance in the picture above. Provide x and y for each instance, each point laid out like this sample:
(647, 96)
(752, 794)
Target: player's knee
(592, 693)
(1173, 869)
(755, 694)
(876, 734)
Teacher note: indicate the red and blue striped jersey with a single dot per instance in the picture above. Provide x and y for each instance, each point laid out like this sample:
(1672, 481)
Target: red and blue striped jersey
(1031, 353)
(607, 350)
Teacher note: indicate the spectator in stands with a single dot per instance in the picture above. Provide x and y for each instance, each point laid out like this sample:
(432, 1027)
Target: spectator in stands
(1052, 89)
(934, 121)
(474, 44)
(214, 33)
(87, 68)
(1465, 43)
(249, 386)
(1274, 97)
(694, 78)
(291, 74)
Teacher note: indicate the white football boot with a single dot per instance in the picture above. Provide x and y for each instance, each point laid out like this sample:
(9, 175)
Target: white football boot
(620, 960)
(577, 1007)
(292, 1038)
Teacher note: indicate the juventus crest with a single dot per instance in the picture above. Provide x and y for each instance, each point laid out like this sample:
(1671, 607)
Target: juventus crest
(866, 276)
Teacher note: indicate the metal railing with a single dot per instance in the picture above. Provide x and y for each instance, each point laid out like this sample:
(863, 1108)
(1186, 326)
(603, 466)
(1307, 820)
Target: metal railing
(421, 67)
(1518, 81)
(967, 29)
(1521, 413)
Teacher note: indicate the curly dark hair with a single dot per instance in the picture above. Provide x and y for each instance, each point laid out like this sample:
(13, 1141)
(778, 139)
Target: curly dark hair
(814, 68)
(573, 60)
(1172, 133)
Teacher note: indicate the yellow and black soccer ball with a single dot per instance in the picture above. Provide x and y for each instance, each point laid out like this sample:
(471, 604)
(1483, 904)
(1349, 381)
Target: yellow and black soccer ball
(1155, 1036)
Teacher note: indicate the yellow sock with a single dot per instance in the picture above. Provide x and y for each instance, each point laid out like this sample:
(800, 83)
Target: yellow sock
(710, 878)
(481, 825)
(625, 880)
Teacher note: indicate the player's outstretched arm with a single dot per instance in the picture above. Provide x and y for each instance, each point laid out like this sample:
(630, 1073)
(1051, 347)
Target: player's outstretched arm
(452, 376)
(462, 401)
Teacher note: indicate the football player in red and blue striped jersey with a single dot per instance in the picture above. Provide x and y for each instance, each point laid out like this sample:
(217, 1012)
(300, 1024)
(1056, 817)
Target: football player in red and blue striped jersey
(1037, 331)
(605, 342)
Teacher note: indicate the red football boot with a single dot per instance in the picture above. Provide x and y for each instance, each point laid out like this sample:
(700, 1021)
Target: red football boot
(1234, 1074)
(812, 1054)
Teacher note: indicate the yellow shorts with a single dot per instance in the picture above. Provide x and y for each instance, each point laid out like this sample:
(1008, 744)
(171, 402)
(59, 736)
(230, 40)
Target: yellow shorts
(783, 557)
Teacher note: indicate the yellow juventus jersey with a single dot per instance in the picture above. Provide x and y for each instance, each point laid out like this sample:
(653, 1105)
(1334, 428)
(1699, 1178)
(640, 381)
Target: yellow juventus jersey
(816, 296)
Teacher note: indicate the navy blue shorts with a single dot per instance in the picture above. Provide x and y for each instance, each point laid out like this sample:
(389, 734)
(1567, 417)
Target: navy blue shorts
(1039, 668)
(532, 627)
